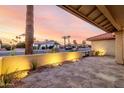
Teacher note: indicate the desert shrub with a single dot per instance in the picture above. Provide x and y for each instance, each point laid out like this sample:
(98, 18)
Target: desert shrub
(13, 52)
(6, 80)
(54, 50)
(97, 53)
(34, 65)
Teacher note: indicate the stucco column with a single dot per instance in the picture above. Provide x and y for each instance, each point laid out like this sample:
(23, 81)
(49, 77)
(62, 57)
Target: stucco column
(119, 47)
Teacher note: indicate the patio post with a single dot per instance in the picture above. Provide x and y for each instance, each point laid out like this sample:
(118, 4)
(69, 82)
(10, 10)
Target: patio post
(29, 30)
(119, 47)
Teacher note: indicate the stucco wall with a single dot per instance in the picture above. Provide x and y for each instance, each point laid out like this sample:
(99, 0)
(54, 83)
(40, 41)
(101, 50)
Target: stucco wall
(107, 45)
(12, 64)
(0, 64)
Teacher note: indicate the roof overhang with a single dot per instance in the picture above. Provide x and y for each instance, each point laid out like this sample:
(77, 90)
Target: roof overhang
(104, 17)
(106, 36)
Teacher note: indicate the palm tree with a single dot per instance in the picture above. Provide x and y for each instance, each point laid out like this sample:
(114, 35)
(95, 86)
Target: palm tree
(18, 38)
(68, 37)
(29, 30)
(64, 37)
(75, 44)
(83, 43)
(14, 41)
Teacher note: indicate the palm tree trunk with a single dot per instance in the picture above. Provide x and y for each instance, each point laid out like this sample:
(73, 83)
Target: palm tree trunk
(68, 40)
(64, 41)
(29, 30)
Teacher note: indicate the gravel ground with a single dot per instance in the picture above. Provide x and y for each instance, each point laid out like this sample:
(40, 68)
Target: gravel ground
(89, 72)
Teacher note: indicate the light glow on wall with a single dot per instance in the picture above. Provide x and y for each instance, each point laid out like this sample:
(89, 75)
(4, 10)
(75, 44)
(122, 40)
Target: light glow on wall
(15, 64)
(21, 74)
(102, 52)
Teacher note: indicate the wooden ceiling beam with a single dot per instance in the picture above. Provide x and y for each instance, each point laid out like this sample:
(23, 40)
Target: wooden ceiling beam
(80, 15)
(93, 10)
(97, 17)
(79, 8)
(102, 21)
(110, 27)
(107, 25)
(108, 15)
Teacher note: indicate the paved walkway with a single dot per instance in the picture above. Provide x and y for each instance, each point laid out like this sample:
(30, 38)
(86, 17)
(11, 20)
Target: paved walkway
(88, 72)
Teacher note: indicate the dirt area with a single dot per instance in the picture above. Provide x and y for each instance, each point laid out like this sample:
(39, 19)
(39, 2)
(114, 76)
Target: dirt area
(89, 72)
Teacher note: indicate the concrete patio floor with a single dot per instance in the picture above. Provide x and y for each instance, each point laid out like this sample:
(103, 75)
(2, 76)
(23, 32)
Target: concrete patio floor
(87, 73)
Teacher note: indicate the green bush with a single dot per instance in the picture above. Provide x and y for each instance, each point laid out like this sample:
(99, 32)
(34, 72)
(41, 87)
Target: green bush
(20, 45)
(7, 47)
(43, 48)
(35, 48)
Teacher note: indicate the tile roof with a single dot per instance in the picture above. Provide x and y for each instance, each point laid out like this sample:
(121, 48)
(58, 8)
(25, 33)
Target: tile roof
(106, 36)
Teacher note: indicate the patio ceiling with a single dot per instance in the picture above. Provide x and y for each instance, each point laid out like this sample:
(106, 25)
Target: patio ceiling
(109, 18)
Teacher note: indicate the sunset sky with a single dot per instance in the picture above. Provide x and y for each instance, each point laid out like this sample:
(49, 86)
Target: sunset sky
(51, 22)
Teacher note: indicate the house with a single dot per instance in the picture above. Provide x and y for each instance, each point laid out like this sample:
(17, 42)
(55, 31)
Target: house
(104, 44)
(48, 44)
